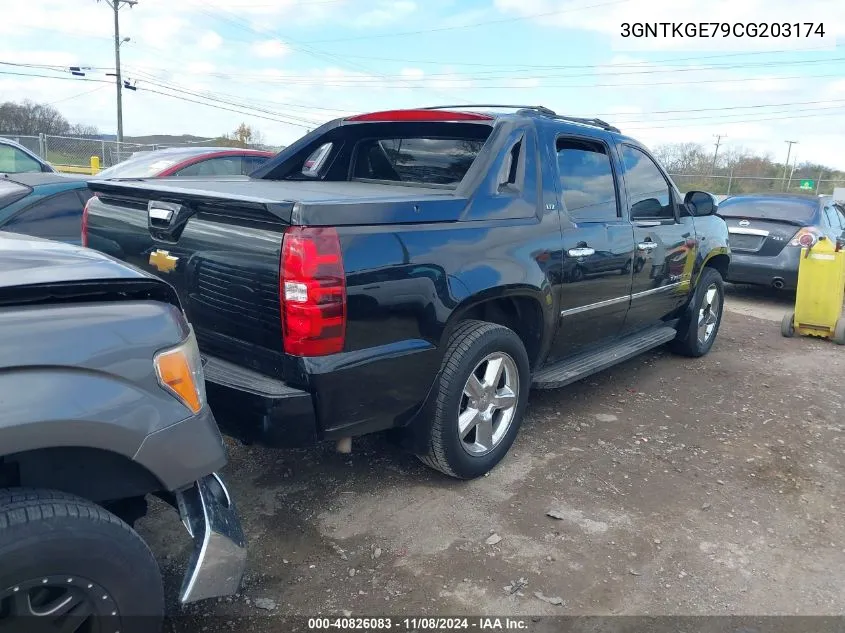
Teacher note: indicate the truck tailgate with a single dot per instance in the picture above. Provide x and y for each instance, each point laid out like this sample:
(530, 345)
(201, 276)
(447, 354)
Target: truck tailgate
(222, 259)
(218, 242)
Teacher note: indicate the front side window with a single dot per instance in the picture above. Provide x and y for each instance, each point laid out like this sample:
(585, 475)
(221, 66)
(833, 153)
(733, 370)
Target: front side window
(649, 193)
(586, 180)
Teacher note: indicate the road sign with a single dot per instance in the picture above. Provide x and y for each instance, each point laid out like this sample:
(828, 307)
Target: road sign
(807, 184)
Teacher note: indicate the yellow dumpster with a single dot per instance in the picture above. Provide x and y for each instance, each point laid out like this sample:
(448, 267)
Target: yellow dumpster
(821, 289)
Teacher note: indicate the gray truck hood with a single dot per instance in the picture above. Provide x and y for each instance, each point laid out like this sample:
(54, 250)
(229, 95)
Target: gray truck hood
(26, 260)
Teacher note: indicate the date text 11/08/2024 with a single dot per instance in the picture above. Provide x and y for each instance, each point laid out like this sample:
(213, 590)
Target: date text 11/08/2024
(434, 624)
(723, 29)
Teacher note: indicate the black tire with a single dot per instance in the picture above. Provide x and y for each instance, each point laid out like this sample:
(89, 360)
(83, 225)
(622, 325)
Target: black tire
(787, 325)
(469, 345)
(687, 343)
(51, 535)
(839, 332)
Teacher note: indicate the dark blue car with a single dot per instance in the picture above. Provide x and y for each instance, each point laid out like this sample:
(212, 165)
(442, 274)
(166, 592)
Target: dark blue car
(46, 205)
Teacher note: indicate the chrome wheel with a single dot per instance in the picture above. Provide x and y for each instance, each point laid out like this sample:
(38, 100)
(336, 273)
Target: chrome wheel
(488, 403)
(708, 315)
(67, 604)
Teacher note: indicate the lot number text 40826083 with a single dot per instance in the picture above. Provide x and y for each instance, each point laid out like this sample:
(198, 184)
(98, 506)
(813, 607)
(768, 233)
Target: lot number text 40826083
(433, 624)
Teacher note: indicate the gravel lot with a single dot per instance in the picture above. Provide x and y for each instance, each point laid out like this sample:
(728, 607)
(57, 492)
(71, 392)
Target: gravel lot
(678, 486)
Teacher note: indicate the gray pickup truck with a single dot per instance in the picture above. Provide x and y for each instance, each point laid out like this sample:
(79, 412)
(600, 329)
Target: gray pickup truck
(102, 402)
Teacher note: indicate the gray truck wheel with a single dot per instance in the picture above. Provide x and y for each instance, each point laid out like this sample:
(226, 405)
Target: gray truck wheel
(697, 333)
(480, 399)
(68, 564)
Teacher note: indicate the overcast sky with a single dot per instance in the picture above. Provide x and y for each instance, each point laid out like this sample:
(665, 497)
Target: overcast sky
(297, 63)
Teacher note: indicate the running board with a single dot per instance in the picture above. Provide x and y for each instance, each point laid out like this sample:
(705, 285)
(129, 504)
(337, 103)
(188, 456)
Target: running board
(583, 365)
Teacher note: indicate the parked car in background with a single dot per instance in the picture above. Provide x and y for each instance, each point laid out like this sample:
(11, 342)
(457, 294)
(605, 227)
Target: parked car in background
(16, 159)
(103, 403)
(43, 205)
(767, 232)
(404, 270)
(189, 161)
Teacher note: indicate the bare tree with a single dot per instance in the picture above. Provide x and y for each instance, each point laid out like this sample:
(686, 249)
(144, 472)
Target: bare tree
(30, 118)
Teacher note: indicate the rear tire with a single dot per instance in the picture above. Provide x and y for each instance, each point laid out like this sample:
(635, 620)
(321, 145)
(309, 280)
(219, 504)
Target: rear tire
(839, 332)
(787, 325)
(63, 557)
(697, 332)
(479, 400)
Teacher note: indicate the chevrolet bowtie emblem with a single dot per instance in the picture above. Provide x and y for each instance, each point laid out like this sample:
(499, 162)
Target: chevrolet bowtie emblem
(163, 261)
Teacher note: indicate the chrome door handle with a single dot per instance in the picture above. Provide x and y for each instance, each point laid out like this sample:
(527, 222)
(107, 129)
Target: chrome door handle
(647, 246)
(581, 252)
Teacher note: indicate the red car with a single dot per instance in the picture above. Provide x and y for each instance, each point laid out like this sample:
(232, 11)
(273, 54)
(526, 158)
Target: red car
(189, 161)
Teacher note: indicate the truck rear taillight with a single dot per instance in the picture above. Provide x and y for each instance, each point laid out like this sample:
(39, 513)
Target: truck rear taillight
(84, 235)
(312, 290)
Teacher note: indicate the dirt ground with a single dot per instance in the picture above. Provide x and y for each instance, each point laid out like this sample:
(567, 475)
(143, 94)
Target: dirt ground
(691, 487)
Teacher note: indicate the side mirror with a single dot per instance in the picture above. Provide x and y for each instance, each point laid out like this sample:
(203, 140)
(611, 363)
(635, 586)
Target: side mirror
(701, 203)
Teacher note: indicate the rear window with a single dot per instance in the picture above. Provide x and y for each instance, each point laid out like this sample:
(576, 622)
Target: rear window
(11, 192)
(421, 161)
(794, 211)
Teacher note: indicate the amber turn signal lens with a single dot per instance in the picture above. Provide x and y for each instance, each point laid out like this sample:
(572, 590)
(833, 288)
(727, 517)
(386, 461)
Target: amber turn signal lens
(179, 370)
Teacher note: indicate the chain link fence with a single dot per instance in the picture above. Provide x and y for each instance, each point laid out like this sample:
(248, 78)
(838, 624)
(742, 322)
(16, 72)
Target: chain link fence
(74, 154)
(731, 184)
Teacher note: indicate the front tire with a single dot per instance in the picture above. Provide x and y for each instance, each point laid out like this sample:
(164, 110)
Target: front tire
(67, 561)
(697, 332)
(480, 400)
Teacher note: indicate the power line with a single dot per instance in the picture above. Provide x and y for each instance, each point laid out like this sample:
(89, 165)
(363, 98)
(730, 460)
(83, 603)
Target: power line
(218, 107)
(76, 96)
(552, 66)
(723, 117)
(762, 105)
(469, 26)
(213, 96)
(6, 72)
(297, 77)
(782, 118)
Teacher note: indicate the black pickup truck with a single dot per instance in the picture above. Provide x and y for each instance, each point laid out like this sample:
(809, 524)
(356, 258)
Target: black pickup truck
(422, 270)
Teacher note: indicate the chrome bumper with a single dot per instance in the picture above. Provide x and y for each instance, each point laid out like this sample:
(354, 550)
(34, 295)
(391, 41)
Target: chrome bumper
(219, 557)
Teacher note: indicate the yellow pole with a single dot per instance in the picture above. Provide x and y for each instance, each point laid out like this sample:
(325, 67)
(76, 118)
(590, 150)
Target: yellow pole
(95, 165)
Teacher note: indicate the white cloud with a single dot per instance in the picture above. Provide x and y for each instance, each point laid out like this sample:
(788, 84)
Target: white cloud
(386, 13)
(209, 41)
(270, 49)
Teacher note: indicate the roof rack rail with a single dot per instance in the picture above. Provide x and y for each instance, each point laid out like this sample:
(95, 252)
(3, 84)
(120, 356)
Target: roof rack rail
(594, 122)
(538, 109)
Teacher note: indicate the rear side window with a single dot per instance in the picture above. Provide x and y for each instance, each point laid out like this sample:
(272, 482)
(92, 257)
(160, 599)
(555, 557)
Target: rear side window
(423, 161)
(586, 180)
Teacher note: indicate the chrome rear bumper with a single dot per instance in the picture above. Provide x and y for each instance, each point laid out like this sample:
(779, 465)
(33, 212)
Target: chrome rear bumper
(217, 563)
